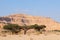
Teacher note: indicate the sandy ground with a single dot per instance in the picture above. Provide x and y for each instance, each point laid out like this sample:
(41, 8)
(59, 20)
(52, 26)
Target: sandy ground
(31, 37)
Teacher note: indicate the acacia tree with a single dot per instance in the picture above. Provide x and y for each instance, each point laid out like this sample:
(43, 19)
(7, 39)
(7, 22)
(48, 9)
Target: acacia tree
(25, 28)
(14, 28)
(39, 27)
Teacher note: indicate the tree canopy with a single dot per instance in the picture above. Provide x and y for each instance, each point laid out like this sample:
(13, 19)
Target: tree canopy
(12, 27)
(16, 28)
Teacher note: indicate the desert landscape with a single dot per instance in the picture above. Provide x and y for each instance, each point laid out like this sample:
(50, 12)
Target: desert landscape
(52, 30)
(29, 19)
(31, 37)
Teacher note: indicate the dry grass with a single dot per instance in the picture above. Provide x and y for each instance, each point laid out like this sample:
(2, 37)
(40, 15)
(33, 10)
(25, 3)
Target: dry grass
(49, 35)
(31, 37)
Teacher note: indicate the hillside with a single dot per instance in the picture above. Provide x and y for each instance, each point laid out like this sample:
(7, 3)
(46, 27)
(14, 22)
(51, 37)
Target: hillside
(23, 19)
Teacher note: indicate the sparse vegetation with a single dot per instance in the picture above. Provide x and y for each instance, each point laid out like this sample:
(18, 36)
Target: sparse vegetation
(39, 28)
(25, 28)
(57, 30)
(14, 28)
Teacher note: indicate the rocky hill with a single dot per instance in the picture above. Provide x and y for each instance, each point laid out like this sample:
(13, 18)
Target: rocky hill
(23, 19)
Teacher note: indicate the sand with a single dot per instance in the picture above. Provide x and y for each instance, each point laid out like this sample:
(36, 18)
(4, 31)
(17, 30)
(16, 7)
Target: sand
(31, 37)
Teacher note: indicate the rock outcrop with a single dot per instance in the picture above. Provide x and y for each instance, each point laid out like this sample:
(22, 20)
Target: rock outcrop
(22, 19)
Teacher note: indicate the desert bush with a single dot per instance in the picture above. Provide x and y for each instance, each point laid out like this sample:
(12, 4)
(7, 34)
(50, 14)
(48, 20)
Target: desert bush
(39, 28)
(14, 28)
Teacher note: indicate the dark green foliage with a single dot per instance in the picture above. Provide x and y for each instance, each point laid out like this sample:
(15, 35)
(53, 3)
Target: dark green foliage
(36, 27)
(39, 27)
(42, 26)
(16, 28)
(12, 27)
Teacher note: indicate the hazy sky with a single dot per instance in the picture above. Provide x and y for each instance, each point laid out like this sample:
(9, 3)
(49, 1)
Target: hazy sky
(47, 8)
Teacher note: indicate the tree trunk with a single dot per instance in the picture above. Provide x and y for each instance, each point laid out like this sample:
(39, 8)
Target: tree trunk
(25, 30)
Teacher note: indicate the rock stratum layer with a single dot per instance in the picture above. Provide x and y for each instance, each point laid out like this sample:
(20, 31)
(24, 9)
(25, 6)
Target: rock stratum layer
(22, 19)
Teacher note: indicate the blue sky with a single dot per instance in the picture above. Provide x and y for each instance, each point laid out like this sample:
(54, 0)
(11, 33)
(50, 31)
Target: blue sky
(47, 8)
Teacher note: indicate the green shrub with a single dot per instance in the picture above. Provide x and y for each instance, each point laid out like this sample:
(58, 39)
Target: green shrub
(12, 27)
(39, 28)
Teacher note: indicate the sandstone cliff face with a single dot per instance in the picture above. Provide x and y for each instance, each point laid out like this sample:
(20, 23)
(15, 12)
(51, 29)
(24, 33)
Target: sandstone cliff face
(22, 19)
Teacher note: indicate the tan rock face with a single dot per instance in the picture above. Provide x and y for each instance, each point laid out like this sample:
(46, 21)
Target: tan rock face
(23, 19)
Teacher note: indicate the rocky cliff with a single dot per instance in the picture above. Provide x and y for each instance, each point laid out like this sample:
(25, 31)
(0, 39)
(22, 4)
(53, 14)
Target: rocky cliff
(22, 19)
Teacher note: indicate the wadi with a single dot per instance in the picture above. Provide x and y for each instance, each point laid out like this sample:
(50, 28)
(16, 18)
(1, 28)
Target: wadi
(28, 27)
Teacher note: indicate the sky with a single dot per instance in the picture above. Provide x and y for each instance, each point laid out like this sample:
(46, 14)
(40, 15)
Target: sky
(46, 8)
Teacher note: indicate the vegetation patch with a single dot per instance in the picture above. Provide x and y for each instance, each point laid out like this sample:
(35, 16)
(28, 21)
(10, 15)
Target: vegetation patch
(14, 28)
